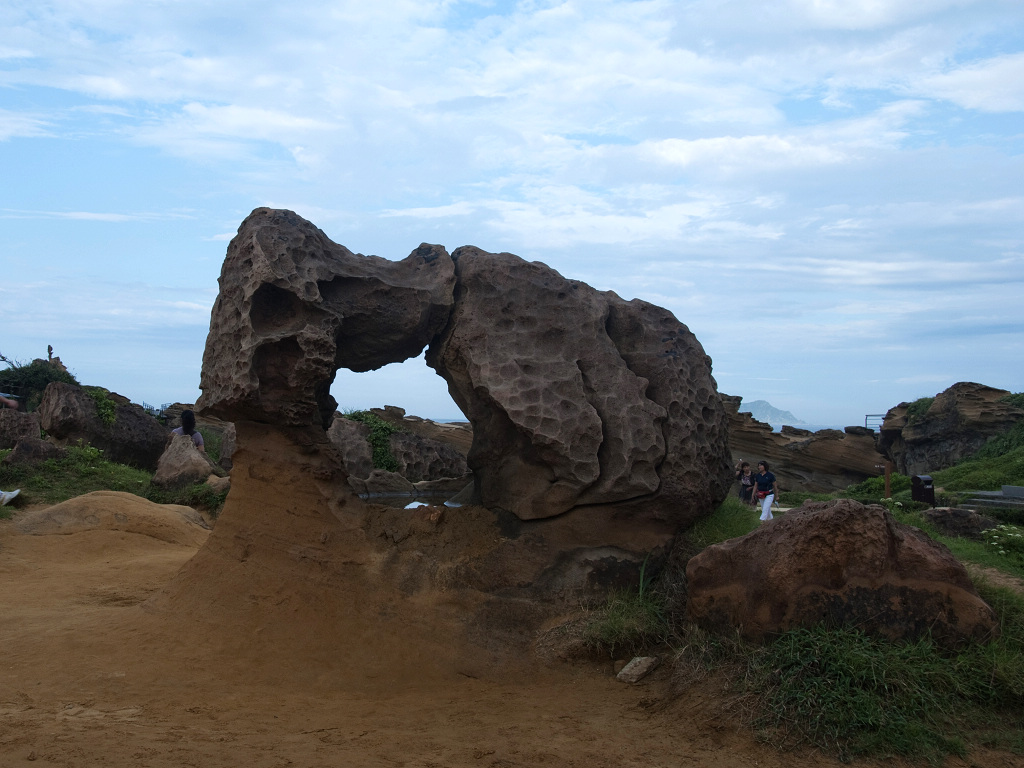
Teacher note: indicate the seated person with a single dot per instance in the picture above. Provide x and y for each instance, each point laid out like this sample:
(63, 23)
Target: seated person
(188, 427)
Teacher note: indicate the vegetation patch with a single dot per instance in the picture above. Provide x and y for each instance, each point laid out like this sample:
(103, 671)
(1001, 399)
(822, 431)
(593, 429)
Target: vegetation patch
(84, 470)
(29, 381)
(630, 620)
(106, 408)
(917, 409)
(379, 439)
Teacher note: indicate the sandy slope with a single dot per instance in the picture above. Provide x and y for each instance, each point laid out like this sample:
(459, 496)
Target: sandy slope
(94, 672)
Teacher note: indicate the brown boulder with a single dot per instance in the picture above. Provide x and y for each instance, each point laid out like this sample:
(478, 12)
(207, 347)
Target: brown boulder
(840, 563)
(33, 450)
(69, 414)
(958, 422)
(182, 464)
(16, 425)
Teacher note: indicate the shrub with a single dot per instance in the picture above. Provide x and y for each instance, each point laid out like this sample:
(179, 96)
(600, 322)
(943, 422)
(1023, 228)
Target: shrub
(29, 381)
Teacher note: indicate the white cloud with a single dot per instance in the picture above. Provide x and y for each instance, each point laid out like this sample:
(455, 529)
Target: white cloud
(16, 124)
(991, 85)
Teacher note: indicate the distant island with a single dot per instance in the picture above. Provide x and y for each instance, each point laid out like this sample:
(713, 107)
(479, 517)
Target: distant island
(766, 413)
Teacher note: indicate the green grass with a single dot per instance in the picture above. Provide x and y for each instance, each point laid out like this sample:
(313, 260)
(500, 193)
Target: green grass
(84, 470)
(212, 441)
(733, 518)
(631, 620)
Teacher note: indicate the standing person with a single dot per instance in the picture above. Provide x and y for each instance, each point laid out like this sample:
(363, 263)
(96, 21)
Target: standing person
(766, 488)
(188, 427)
(745, 477)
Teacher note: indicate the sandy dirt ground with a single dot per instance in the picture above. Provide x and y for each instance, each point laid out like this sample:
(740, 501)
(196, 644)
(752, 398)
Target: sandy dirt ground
(93, 673)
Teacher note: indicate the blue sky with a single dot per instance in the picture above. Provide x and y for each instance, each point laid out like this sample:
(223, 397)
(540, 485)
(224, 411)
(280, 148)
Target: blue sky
(829, 193)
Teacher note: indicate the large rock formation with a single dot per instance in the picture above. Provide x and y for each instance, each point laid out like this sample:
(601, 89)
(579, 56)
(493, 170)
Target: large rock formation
(69, 413)
(842, 563)
(597, 427)
(577, 397)
(813, 462)
(955, 424)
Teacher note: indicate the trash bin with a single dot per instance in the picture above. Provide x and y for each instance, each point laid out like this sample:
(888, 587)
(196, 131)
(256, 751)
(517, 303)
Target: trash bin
(921, 489)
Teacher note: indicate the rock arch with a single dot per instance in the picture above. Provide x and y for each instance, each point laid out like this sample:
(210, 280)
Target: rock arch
(598, 430)
(577, 397)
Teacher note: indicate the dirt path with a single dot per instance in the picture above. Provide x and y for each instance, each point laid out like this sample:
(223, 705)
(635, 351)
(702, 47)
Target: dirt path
(87, 678)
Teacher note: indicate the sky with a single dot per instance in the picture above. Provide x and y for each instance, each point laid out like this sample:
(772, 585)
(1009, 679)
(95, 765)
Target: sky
(828, 193)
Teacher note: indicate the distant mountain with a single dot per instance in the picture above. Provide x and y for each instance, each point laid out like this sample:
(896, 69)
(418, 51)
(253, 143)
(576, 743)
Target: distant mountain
(766, 413)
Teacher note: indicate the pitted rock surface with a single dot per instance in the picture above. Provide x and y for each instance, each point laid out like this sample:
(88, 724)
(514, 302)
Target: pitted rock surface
(294, 307)
(577, 398)
(841, 563)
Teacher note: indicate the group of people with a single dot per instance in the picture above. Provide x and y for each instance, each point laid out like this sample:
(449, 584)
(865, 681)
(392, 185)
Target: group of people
(761, 488)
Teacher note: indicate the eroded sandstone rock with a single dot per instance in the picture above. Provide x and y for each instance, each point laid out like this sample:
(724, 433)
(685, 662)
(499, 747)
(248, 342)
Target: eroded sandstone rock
(577, 397)
(294, 307)
(597, 430)
(814, 462)
(959, 421)
(841, 563)
(68, 413)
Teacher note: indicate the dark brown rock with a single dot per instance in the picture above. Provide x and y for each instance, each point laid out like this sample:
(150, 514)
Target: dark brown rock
(16, 425)
(959, 421)
(577, 397)
(68, 414)
(840, 563)
(33, 450)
